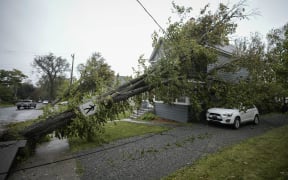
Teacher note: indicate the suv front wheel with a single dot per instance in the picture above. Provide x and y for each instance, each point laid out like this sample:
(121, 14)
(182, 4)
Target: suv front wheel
(236, 123)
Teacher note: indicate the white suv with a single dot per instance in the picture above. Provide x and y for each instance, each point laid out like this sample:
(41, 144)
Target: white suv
(233, 116)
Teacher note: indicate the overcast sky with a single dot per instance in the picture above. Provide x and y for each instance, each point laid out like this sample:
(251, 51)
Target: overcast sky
(119, 30)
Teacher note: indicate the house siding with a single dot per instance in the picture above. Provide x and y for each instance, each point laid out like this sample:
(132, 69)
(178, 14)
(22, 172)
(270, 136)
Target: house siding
(176, 112)
(234, 77)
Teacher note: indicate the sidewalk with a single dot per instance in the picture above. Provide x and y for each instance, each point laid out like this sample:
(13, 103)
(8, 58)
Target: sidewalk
(169, 123)
(8, 151)
(47, 163)
(55, 151)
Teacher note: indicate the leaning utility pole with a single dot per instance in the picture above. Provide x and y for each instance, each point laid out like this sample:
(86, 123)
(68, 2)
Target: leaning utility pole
(71, 77)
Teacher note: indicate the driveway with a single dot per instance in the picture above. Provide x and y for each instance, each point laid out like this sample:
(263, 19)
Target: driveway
(153, 156)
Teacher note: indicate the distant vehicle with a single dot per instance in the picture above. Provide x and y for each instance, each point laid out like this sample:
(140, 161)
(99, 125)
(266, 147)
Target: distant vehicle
(26, 104)
(45, 102)
(63, 103)
(233, 117)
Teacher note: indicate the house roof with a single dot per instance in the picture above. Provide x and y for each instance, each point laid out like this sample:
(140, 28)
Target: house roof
(156, 50)
(122, 79)
(224, 49)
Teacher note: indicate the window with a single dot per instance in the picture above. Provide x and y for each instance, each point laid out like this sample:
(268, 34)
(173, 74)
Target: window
(182, 100)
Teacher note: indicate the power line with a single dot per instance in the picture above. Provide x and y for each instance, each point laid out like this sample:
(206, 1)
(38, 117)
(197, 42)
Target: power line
(82, 155)
(35, 53)
(151, 16)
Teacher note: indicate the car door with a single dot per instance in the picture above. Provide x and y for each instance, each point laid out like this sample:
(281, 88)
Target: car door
(250, 114)
(247, 113)
(243, 114)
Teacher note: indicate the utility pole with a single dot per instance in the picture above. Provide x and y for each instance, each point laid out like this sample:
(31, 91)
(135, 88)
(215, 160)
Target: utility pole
(71, 77)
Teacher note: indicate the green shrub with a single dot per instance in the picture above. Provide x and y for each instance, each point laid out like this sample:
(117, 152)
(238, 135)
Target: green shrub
(148, 116)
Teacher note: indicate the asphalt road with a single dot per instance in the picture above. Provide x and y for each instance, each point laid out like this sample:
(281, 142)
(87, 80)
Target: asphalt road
(151, 156)
(11, 114)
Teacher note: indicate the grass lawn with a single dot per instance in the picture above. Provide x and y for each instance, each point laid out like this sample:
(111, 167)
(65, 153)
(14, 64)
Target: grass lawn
(14, 128)
(113, 132)
(262, 157)
(3, 105)
(17, 126)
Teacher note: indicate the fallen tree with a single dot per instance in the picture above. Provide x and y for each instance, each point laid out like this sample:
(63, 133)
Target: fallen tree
(133, 87)
(187, 49)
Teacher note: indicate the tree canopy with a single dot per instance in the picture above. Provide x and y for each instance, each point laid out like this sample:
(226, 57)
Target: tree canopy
(278, 53)
(96, 75)
(10, 82)
(51, 67)
(188, 48)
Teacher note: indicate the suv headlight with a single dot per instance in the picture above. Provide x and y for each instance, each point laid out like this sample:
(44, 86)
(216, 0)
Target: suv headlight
(228, 114)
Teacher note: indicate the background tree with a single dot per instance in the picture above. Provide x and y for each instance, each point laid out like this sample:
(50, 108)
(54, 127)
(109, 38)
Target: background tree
(9, 84)
(259, 88)
(278, 56)
(27, 90)
(51, 67)
(96, 75)
(43, 87)
(63, 84)
(6, 94)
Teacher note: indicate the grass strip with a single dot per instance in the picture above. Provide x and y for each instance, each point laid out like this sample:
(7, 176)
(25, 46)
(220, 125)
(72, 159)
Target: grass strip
(15, 127)
(261, 157)
(115, 131)
(4, 105)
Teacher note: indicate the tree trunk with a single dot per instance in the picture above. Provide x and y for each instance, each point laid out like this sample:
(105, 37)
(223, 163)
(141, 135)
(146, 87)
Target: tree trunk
(42, 128)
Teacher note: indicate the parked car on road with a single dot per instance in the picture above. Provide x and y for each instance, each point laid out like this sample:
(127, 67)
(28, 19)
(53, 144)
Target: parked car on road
(26, 104)
(63, 103)
(45, 102)
(233, 117)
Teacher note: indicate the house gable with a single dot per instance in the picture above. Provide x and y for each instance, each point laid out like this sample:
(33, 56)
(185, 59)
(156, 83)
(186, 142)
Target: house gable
(224, 57)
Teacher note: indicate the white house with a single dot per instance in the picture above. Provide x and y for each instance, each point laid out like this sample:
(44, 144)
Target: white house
(181, 110)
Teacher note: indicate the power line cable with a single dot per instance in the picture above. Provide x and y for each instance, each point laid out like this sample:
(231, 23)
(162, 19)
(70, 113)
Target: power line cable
(79, 156)
(151, 16)
(34, 53)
